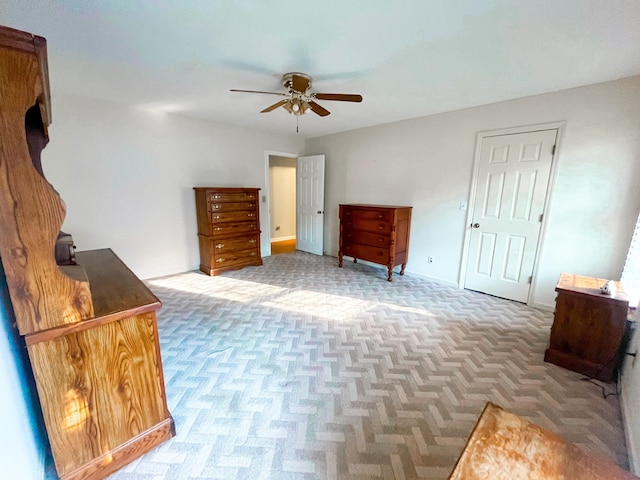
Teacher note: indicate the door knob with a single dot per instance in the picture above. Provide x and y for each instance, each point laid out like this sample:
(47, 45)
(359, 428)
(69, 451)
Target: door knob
(476, 225)
(319, 212)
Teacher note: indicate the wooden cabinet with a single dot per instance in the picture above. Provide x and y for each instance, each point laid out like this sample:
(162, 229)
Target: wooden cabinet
(90, 328)
(375, 233)
(588, 327)
(228, 228)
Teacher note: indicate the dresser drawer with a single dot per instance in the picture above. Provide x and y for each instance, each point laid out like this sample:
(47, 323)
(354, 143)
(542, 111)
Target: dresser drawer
(220, 229)
(240, 216)
(379, 226)
(365, 252)
(234, 244)
(366, 238)
(354, 213)
(227, 259)
(231, 197)
(231, 206)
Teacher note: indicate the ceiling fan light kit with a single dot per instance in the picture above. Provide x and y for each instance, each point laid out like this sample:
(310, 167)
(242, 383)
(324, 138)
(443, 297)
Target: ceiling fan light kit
(299, 100)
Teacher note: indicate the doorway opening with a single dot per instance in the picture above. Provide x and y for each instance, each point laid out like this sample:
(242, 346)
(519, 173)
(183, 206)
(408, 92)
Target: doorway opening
(282, 171)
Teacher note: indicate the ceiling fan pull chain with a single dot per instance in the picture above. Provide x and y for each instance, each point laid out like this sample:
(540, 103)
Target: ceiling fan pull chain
(297, 117)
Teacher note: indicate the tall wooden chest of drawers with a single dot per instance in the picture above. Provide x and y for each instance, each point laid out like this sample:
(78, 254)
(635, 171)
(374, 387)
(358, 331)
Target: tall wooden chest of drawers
(375, 233)
(228, 228)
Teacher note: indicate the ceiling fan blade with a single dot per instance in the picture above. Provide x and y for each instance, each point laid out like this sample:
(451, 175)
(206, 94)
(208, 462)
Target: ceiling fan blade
(299, 83)
(258, 91)
(323, 112)
(274, 106)
(341, 97)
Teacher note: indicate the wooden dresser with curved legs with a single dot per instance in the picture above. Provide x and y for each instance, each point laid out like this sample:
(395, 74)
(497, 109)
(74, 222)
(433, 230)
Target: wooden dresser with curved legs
(375, 233)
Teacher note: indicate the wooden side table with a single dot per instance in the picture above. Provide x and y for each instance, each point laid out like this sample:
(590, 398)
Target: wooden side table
(588, 327)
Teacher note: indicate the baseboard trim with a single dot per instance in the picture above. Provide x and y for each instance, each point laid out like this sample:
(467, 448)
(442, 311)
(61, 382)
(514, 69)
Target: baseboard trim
(626, 424)
(447, 283)
(543, 306)
(282, 239)
(120, 456)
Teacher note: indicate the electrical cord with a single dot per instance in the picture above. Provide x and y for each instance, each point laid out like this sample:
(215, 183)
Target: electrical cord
(605, 394)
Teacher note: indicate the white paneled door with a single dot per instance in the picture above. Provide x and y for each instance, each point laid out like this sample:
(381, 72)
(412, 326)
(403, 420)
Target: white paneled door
(310, 204)
(511, 190)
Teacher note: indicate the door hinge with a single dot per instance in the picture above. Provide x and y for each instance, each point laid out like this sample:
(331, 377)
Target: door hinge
(541, 217)
(530, 279)
(553, 150)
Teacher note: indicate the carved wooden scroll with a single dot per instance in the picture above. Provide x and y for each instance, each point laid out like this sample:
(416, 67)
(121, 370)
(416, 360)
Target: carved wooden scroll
(43, 297)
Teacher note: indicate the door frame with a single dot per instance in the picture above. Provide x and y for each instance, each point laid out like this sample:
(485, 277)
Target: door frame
(480, 136)
(266, 242)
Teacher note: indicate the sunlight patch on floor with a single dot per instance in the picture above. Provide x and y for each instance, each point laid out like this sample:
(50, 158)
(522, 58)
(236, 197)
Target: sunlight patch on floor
(335, 307)
(225, 288)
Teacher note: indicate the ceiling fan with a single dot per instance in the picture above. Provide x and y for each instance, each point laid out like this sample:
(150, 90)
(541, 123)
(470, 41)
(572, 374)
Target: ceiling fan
(298, 98)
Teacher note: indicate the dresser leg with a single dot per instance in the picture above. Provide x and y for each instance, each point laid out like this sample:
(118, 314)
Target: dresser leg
(402, 269)
(355, 260)
(340, 258)
(390, 269)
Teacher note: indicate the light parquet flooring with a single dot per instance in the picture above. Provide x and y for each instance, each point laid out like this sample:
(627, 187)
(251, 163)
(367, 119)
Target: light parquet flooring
(299, 369)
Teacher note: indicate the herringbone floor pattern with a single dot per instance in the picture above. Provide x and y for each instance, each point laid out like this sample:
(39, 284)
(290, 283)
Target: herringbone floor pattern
(302, 370)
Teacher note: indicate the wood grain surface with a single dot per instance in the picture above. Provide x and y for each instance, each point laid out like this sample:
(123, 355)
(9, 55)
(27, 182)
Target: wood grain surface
(117, 293)
(103, 389)
(42, 296)
(228, 217)
(588, 327)
(108, 463)
(504, 446)
(114, 287)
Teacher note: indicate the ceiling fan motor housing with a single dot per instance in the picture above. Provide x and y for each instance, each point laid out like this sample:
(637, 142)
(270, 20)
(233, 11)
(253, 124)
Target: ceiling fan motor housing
(303, 81)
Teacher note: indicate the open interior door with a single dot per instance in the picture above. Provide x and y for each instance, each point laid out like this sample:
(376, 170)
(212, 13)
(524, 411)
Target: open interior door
(310, 204)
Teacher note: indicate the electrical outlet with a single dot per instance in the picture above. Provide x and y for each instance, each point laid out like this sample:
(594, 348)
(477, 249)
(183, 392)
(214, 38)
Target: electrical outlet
(429, 259)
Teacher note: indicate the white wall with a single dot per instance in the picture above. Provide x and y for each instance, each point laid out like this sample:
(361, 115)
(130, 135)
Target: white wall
(127, 175)
(427, 163)
(21, 442)
(282, 175)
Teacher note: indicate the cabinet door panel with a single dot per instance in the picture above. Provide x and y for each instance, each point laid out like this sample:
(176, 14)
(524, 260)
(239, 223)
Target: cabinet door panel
(234, 258)
(232, 197)
(240, 216)
(231, 206)
(378, 226)
(99, 388)
(234, 244)
(366, 238)
(365, 252)
(232, 228)
(382, 215)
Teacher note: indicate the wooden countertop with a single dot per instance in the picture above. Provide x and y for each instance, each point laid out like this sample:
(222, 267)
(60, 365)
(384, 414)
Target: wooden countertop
(115, 290)
(581, 284)
(505, 446)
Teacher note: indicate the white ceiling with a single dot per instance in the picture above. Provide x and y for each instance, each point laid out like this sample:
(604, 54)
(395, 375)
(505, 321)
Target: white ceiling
(407, 58)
